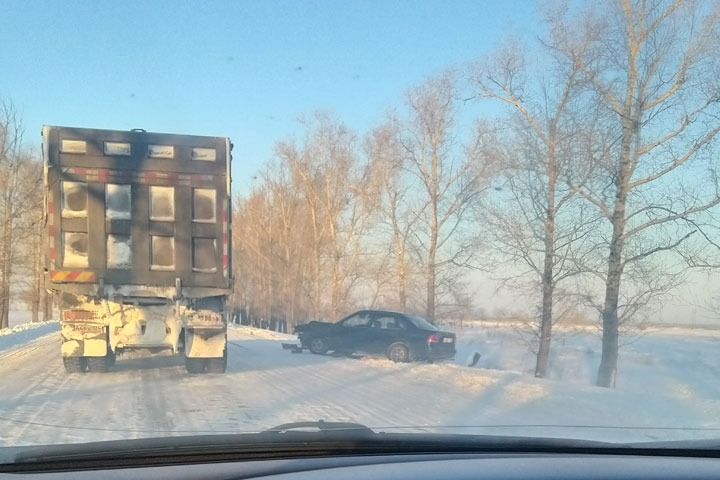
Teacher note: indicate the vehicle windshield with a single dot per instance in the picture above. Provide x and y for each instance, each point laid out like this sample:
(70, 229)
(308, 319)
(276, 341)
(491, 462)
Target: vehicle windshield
(194, 195)
(421, 323)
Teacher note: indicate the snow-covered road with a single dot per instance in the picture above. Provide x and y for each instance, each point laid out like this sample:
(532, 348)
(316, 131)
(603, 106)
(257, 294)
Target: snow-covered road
(266, 386)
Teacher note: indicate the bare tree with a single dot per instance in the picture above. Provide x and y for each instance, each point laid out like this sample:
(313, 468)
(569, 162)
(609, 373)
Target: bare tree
(20, 198)
(30, 256)
(333, 180)
(537, 223)
(653, 65)
(398, 209)
(450, 178)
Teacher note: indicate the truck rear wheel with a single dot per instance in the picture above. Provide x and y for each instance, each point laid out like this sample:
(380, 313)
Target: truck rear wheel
(98, 364)
(101, 364)
(74, 364)
(217, 365)
(194, 365)
(111, 357)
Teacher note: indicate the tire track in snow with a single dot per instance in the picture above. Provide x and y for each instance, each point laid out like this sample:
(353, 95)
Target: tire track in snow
(30, 347)
(31, 401)
(333, 389)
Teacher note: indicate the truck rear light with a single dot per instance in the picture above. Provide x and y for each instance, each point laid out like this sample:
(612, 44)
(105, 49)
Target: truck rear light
(433, 338)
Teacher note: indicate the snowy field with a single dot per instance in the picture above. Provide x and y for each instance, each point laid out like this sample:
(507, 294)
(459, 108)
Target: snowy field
(668, 380)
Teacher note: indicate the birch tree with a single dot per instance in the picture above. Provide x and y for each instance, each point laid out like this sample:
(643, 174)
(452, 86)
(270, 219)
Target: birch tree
(20, 197)
(399, 212)
(654, 66)
(450, 177)
(536, 223)
(334, 182)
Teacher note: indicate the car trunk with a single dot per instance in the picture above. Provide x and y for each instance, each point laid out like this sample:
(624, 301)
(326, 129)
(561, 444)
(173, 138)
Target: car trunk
(445, 346)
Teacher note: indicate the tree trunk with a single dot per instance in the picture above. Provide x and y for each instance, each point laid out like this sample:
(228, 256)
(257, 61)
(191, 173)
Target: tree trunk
(400, 268)
(6, 267)
(608, 362)
(609, 359)
(47, 304)
(4, 313)
(430, 310)
(432, 252)
(316, 283)
(335, 293)
(402, 294)
(35, 306)
(546, 319)
(548, 280)
(37, 277)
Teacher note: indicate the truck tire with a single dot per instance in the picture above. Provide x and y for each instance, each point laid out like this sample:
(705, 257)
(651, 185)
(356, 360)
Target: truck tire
(194, 365)
(217, 365)
(111, 357)
(74, 364)
(97, 364)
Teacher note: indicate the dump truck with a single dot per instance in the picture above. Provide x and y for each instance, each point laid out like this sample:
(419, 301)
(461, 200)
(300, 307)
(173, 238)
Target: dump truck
(138, 257)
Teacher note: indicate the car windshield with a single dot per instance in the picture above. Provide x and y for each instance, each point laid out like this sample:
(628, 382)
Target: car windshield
(421, 323)
(194, 195)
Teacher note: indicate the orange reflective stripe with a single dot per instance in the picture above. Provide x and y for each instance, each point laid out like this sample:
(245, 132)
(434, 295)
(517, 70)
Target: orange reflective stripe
(58, 275)
(85, 277)
(71, 276)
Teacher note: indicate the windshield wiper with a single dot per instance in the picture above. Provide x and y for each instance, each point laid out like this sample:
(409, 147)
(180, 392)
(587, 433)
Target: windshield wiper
(321, 426)
(298, 440)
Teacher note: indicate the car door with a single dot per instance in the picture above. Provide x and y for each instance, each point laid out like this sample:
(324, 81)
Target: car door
(385, 329)
(351, 334)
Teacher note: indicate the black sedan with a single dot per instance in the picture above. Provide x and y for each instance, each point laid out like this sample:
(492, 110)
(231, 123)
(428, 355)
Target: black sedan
(400, 336)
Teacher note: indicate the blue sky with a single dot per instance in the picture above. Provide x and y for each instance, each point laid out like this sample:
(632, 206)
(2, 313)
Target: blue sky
(247, 70)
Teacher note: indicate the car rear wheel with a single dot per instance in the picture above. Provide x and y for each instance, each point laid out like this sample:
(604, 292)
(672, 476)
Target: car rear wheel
(318, 346)
(399, 353)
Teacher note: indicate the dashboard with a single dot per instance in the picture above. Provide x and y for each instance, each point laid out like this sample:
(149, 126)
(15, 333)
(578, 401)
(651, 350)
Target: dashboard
(416, 467)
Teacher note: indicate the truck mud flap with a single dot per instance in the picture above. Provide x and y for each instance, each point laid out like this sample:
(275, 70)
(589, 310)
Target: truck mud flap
(84, 340)
(205, 342)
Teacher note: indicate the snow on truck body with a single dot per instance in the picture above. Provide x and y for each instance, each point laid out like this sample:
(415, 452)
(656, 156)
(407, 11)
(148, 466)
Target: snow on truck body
(138, 253)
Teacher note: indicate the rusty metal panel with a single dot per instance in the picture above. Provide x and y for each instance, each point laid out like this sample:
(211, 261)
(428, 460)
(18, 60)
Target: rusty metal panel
(119, 167)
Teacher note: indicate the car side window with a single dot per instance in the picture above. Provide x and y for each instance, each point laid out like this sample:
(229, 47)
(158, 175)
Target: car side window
(356, 321)
(388, 322)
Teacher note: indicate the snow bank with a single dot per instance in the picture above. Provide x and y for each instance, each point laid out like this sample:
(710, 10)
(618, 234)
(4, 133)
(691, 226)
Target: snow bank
(25, 332)
(575, 353)
(243, 332)
(667, 389)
